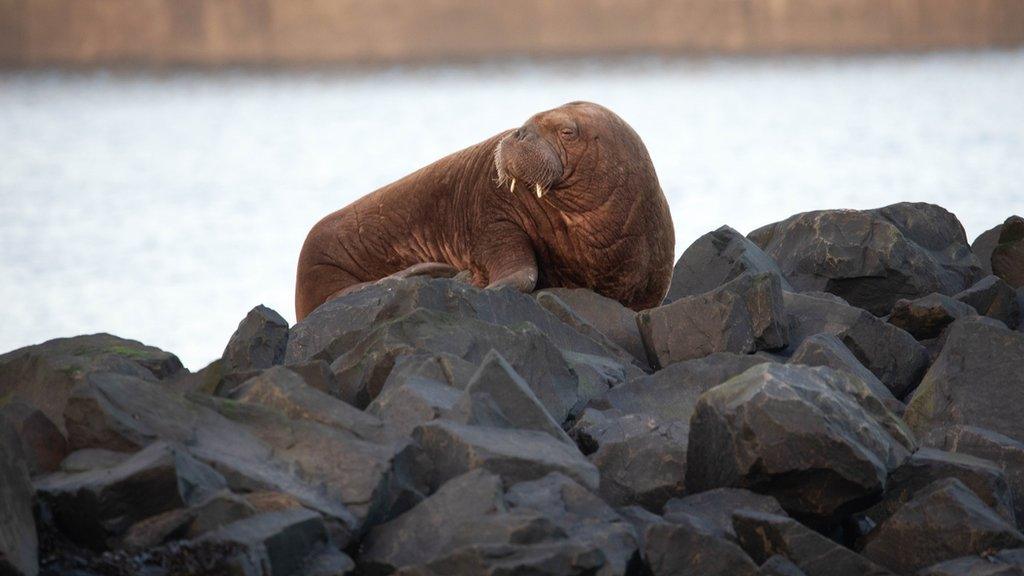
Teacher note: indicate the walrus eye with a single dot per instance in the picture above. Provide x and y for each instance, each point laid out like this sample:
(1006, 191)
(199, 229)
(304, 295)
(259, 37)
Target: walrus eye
(568, 132)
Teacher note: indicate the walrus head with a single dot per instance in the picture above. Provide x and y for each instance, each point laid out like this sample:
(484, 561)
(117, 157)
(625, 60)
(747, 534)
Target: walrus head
(577, 146)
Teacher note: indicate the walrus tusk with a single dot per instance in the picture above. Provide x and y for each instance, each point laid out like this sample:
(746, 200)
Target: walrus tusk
(540, 191)
(512, 187)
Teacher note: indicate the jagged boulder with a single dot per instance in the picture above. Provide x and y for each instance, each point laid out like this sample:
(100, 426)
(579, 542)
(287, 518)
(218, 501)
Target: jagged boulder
(983, 246)
(891, 354)
(765, 535)
(977, 381)
(993, 297)
(420, 389)
(943, 522)
(43, 444)
(44, 375)
(716, 508)
(610, 318)
(1008, 255)
(258, 342)
(827, 350)
(872, 258)
(791, 432)
(19, 547)
(926, 317)
(688, 547)
(715, 259)
(744, 315)
(1006, 453)
(1002, 563)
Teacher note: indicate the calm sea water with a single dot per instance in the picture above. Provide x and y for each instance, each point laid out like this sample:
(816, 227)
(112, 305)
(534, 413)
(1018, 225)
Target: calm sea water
(163, 207)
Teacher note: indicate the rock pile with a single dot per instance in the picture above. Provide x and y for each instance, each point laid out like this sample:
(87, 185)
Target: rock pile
(840, 393)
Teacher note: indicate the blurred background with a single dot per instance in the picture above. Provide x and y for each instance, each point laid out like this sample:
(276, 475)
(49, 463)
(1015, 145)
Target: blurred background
(162, 160)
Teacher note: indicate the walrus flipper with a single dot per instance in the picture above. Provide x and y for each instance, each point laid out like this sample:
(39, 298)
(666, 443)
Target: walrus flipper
(508, 259)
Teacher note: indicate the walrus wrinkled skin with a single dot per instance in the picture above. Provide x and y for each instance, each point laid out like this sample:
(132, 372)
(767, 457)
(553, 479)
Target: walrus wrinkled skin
(569, 199)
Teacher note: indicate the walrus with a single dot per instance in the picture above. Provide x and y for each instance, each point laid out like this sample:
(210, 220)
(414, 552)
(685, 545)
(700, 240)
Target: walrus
(568, 199)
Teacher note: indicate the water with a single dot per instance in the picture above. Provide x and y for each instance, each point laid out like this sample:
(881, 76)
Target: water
(162, 208)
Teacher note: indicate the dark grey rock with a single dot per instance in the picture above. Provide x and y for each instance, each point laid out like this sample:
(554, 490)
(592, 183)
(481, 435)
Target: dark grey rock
(689, 548)
(744, 315)
(928, 465)
(330, 562)
(642, 460)
(983, 246)
(1002, 563)
(374, 481)
(364, 369)
(584, 518)
(943, 522)
(891, 354)
(779, 566)
(607, 316)
(498, 397)
(791, 432)
(671, 393)
(977, 381)
(543, 559)
(275, 542)
(156, 530)
(285, 391)
(716, 507)
(122, 413)
(993, 297)
(872, 258)
(43, 444)
(19, 547)
(338, 325)
(717, 258)
(991, 446)
(258, 342)
(827, 350)
(596, 375)
(1008, 255)
(43, 375)
(97, 507)
(317, 374)
(515, 455)
(766, 535)
(640, 518)
(926, 317)
(410, 399)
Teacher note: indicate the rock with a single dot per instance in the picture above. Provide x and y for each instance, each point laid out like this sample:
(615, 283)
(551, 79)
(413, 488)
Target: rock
(220, 509)
(156, 530)
(790, 432)
(417, 401)
(1002, 563)
(562, 558)
(375, 482)
(891, 354)
(423, 533)
(19, 548)
(779, 566)
(596, 375)
(616, 322)
(827, 350)
(43, 375)
(928, 465)
(641, 459)
(1008, 255)
(515, 455)
(744, 315)
(258, 342)
(43, 444)
(275, 542)
(872, 258)
(977, 381)
(766, 535)
(95, 508)
(671, 393)
(983, 246)
(584, 518)
(497, 397)
(338, 325)
(991, 446)
(640, 518)
(89, 459)
(944, 521)
(716, 507)
(363, 370)
(993, 297)
(119, 412)
(689, 548)
(317, 374)
(926, 317)
(283, 390)
(717, 258)
(330, 562)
